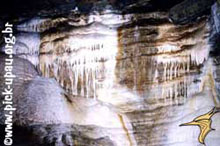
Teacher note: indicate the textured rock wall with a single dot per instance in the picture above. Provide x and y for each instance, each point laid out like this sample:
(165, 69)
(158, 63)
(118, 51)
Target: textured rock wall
(118, 79)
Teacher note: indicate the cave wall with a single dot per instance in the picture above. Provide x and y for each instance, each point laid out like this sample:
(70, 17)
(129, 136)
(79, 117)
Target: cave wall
(115, 72)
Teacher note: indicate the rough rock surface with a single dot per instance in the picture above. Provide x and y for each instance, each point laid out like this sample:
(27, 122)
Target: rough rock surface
(43, 103)
(57, 135)
(120, 79)
(189, 10)
(215, 41)
(22, 69)
(216, 16)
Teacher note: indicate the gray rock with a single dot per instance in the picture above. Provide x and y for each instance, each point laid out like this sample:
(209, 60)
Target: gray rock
(189, 10)
(55, 135)
(216, 16)
(22, 69)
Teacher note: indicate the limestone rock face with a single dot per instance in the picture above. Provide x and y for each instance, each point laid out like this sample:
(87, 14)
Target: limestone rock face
(42, 102)
(215, 37)
(190, 9)
(27, 47)
(138, 56)
(216, 16)
(109, 78)
(154, 72)
(22, 69)
(56, 134)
